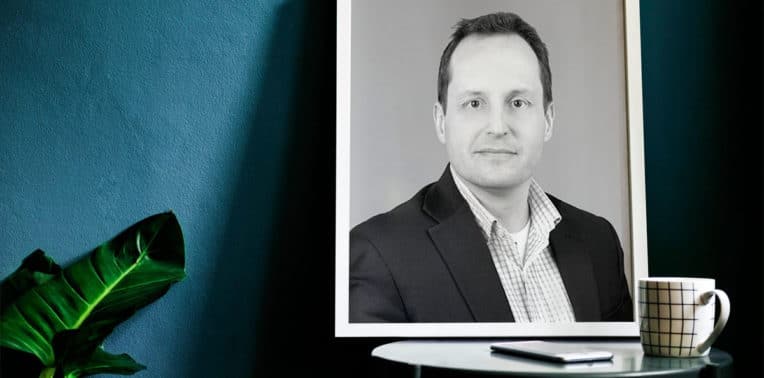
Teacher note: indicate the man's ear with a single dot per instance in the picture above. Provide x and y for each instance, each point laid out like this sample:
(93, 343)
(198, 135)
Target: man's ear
(549, 122)
(439, 117)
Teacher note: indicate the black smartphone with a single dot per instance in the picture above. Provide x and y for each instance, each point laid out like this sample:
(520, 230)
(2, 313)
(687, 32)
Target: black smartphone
(550, 351)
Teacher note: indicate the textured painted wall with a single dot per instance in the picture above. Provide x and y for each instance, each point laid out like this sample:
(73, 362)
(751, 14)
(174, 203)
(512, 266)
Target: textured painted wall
(223, 112)
(111, 111)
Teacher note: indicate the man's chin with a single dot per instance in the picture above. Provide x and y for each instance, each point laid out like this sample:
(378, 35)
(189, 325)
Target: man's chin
(494, 183)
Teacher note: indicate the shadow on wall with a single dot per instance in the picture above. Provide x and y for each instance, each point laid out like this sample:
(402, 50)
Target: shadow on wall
(228, 331)
(295, 330)
(273, 275)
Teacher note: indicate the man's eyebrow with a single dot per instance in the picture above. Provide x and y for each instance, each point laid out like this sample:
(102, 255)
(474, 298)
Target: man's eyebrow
(470, 93)
(518, 91)
(511, 93)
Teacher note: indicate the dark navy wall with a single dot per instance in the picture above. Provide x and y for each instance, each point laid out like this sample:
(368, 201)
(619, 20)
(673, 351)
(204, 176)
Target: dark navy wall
(702, 91)
(224, 113)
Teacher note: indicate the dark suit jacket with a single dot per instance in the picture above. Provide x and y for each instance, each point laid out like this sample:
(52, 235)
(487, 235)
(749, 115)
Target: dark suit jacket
(427, 261)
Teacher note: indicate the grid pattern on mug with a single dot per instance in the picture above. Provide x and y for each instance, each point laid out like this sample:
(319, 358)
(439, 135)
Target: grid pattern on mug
(669, 317)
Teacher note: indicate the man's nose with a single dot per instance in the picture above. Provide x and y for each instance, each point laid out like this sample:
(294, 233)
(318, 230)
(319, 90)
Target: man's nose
(498, 124)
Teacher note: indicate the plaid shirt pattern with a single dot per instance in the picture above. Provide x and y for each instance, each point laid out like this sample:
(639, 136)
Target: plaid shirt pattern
(531, 281)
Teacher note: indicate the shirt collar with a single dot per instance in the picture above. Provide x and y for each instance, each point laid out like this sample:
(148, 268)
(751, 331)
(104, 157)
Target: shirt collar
(544, 216)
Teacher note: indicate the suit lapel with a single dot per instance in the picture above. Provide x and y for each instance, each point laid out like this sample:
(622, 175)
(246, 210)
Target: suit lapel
(576, 270)
(462, 246)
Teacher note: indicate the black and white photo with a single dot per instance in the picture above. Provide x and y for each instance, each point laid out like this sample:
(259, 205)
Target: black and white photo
(488, 172)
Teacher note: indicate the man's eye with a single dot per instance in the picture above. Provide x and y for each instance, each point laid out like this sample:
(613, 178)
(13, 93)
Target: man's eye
(474, 104)
(519, 103)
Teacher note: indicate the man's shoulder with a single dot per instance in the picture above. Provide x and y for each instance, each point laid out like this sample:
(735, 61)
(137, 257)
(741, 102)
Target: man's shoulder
(577, 218)
(404, 218)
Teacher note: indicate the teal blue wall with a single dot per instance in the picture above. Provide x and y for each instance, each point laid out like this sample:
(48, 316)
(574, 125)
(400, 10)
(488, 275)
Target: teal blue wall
(112, 111)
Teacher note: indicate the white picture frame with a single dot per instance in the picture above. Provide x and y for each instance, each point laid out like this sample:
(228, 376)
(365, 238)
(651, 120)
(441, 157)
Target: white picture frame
(635, 196)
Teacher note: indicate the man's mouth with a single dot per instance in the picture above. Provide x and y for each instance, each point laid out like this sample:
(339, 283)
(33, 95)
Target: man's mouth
(504, 151)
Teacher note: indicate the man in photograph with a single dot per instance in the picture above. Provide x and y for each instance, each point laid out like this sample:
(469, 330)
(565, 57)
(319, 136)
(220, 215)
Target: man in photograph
(485, 243)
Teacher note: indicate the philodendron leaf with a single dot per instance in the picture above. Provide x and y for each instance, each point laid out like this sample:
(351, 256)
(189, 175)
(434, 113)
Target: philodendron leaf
(78, 352)
(101, 362)
(36, 269)
(99, 291)
(74, 347)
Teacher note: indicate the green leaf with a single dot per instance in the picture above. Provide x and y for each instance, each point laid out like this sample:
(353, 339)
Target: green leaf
(74, 348)
(78, 352)
(36, 269)
(101, 362)
(98, 292)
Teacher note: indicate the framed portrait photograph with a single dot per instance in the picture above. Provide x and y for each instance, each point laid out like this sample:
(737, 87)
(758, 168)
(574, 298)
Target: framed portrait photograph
(490, 168)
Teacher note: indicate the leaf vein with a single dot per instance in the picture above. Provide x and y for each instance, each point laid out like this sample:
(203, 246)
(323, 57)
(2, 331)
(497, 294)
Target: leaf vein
(66, 281)
(108, 289)
(50, 306)
(29, 323)
(96, 270)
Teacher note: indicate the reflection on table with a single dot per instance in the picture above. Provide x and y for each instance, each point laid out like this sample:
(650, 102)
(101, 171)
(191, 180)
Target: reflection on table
(476, 357)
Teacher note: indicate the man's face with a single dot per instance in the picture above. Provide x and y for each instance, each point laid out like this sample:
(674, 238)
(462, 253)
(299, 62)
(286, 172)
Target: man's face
(495, 124)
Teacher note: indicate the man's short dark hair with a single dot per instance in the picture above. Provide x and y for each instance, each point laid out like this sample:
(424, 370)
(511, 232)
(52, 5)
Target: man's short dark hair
(495, 23)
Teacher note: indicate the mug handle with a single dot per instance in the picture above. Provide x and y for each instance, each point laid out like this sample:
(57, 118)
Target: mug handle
(724, 313)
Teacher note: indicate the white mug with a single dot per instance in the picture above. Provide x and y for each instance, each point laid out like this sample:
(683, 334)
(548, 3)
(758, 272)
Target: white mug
(676, 315)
